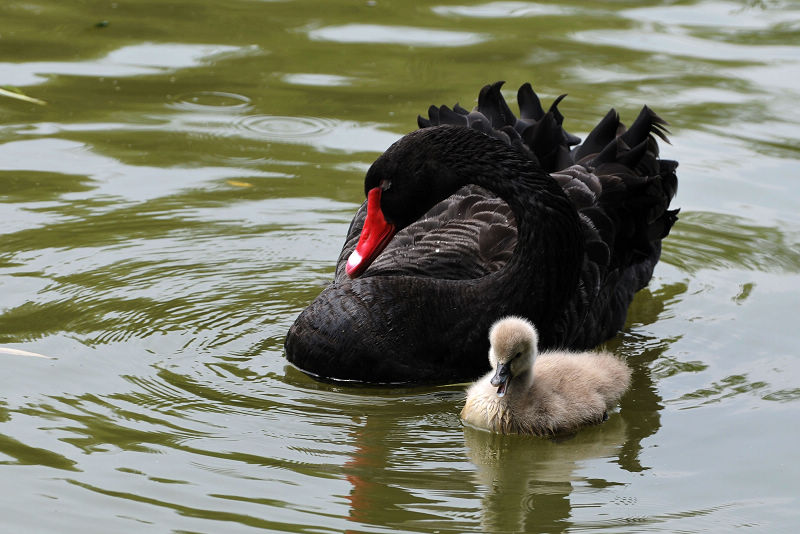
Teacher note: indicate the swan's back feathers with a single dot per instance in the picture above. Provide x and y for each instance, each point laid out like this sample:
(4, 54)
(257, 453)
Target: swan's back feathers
(616, 181)
(616, 170)
(537, 133)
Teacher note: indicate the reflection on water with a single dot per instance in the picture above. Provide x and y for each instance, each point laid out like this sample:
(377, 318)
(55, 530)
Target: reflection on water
(325, 80)
(687, 45)
(528, 481)
(135, 60)
(504, 10)
(643, 404)
(382, 491)
(185, 193)
(731, 16)
(403, 35)
(526, 484)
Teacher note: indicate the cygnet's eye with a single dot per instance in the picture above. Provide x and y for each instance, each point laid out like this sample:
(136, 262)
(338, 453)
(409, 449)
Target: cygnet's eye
(517, 355)
(385, 184)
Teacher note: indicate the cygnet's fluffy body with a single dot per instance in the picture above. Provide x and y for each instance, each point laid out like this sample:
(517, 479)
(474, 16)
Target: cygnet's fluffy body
(543, 394)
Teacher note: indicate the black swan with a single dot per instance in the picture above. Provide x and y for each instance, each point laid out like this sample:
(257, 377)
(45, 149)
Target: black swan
(478, 215)
(547, 393)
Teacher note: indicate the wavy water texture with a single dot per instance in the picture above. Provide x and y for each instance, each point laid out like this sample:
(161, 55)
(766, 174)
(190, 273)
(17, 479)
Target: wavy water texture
(187, 188)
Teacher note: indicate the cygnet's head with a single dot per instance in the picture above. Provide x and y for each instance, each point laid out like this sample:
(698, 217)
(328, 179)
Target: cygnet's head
(514, 347)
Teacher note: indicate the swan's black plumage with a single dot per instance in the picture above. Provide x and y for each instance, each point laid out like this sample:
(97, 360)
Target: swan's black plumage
(497, 215)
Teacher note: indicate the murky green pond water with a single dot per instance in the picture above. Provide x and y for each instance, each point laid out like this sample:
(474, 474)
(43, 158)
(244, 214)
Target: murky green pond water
(186, 189)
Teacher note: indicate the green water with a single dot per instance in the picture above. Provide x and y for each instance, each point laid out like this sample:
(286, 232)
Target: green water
(184, 194)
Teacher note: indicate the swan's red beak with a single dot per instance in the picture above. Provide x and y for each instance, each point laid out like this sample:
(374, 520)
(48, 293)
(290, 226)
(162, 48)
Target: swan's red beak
(375, 235)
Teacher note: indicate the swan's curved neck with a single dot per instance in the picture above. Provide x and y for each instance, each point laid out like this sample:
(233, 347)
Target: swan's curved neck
(433, 163)
(520, 383)
(548, 257)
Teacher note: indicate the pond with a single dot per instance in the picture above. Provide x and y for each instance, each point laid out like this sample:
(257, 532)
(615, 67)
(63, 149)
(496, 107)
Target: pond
(179, 191)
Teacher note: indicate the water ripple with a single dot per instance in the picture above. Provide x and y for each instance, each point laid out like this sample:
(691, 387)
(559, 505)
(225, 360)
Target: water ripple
(720, 241)
(281, 128)
(211, 101)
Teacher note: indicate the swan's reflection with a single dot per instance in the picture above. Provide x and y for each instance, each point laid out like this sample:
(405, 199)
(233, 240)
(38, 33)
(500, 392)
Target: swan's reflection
(529, 479)
(375, 497)
(641, 406)
(407, 456)
(406, 449)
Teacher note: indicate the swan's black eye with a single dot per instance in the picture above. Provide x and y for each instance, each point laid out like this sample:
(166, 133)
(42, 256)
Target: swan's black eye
(517, 355)
(385, 184)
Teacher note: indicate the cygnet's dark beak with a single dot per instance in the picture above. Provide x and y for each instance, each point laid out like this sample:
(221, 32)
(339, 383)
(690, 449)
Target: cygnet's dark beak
(502, 378)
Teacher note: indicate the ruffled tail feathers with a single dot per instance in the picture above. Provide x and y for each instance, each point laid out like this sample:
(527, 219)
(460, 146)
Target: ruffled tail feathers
(537, 133)
(541, 132)
(627, 186)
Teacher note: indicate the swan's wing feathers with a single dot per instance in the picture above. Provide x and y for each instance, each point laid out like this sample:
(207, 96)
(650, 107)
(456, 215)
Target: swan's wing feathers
(615, 180)
(601, 223)
(624, 222)
(461, 111)
(478, 121)
(546, 139)
(600, 136)
(433, 114)
(576, 189)
(638, 159)
(537, 134)
(502, 136)
(589, 179)
(633, 203)
(660, 227)
(646, 125)
(468, 235)
(598, 255)
(492, 105)
(443, 115)
(449, 116)
(666, 169)
(566, 137)
(530, 107)
(496, 244)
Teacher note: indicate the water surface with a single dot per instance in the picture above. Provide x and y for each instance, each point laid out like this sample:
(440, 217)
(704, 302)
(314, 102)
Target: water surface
(184, 194)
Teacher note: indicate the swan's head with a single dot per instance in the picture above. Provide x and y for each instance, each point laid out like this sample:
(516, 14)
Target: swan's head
(514, 348)
(418, 171)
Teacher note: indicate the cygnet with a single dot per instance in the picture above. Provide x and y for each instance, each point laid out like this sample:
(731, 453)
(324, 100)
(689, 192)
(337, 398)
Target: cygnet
(543, 394)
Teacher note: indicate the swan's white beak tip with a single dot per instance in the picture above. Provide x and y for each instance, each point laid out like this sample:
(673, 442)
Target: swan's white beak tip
(353, 262)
